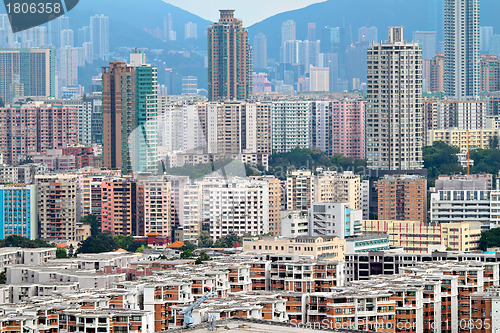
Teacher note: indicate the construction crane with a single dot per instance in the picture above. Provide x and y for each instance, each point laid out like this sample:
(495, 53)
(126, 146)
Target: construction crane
(187, 312)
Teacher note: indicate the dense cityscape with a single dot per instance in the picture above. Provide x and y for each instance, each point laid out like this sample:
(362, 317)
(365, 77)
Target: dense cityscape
(161, 172)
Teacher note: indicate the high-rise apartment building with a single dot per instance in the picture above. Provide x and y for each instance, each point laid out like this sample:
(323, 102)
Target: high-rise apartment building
(311, 31)
(336, 187)
(18, 211)
(299, 190)
(402, 198)
(155, 207)
(189, 85)
(274, 186)
(320, 126)
(119, 207)
(394, 104)
(190, 30)
(288, 31)
(290, 125)
(490, 73)
(119, 114)
(462, 43)
(229, 59)
(462, 114)
(57, 207)
(26, 72)
(99, 36)
(427, 41)
(430, 108)
(129, 115)
(239, 207)
(368, 34)
(90, 119)
(260, 51)
(320, 78)
(28, 129)
(348, 128)
(69, 58)
(434, 74)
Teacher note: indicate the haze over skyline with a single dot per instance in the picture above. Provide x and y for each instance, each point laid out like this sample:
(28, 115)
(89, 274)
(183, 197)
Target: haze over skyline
(249, 11)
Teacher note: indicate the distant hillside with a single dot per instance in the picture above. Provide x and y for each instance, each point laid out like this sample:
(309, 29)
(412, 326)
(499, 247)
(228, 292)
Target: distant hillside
(352, 14)
(128, 18)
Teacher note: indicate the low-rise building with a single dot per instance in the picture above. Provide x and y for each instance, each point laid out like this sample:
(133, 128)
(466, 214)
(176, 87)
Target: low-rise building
(327, 248)
(416, 237)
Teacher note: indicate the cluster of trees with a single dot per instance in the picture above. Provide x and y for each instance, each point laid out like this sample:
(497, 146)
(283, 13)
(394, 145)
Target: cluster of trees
(489, 238)
(441, 159)
(227, 241)
(19, 241)
(299, 158)
(100, 242)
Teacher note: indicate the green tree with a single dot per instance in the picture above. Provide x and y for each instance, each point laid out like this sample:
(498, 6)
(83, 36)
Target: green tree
(187, 254)
(203, 257)
(61, 253)
(228, 241)
(485, 160)
(103, 242)
(205, 240)
(441, 159)
(71, 250)
(136, 245)
(124, 242)
(188, 246)
(141, 248)
(489, 238)
(19, 241)
(95, 226)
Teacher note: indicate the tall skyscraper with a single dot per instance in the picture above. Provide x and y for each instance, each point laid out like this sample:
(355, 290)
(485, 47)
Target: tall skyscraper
(368, 34)
(394, 104)
(288, 31)
(67, 38)
(486, 33)
(129, 111)
(427, 41)
(26, 72)
(99, 36)
(434, 73)
(69, 58)
(461, 63)
(490, 73)
(311, 31)
(54, 30)
(190, 30)
(260, 51)
(229, 59)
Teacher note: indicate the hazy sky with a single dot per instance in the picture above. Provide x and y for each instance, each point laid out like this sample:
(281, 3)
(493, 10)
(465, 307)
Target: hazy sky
(250, 11)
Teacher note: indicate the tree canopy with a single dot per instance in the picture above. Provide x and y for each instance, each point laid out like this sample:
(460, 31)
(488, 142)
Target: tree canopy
(490, 238)
(19, 241)
(205, 240)
(95, 226)
(228, 241)
(104, 242)
(441, 159)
